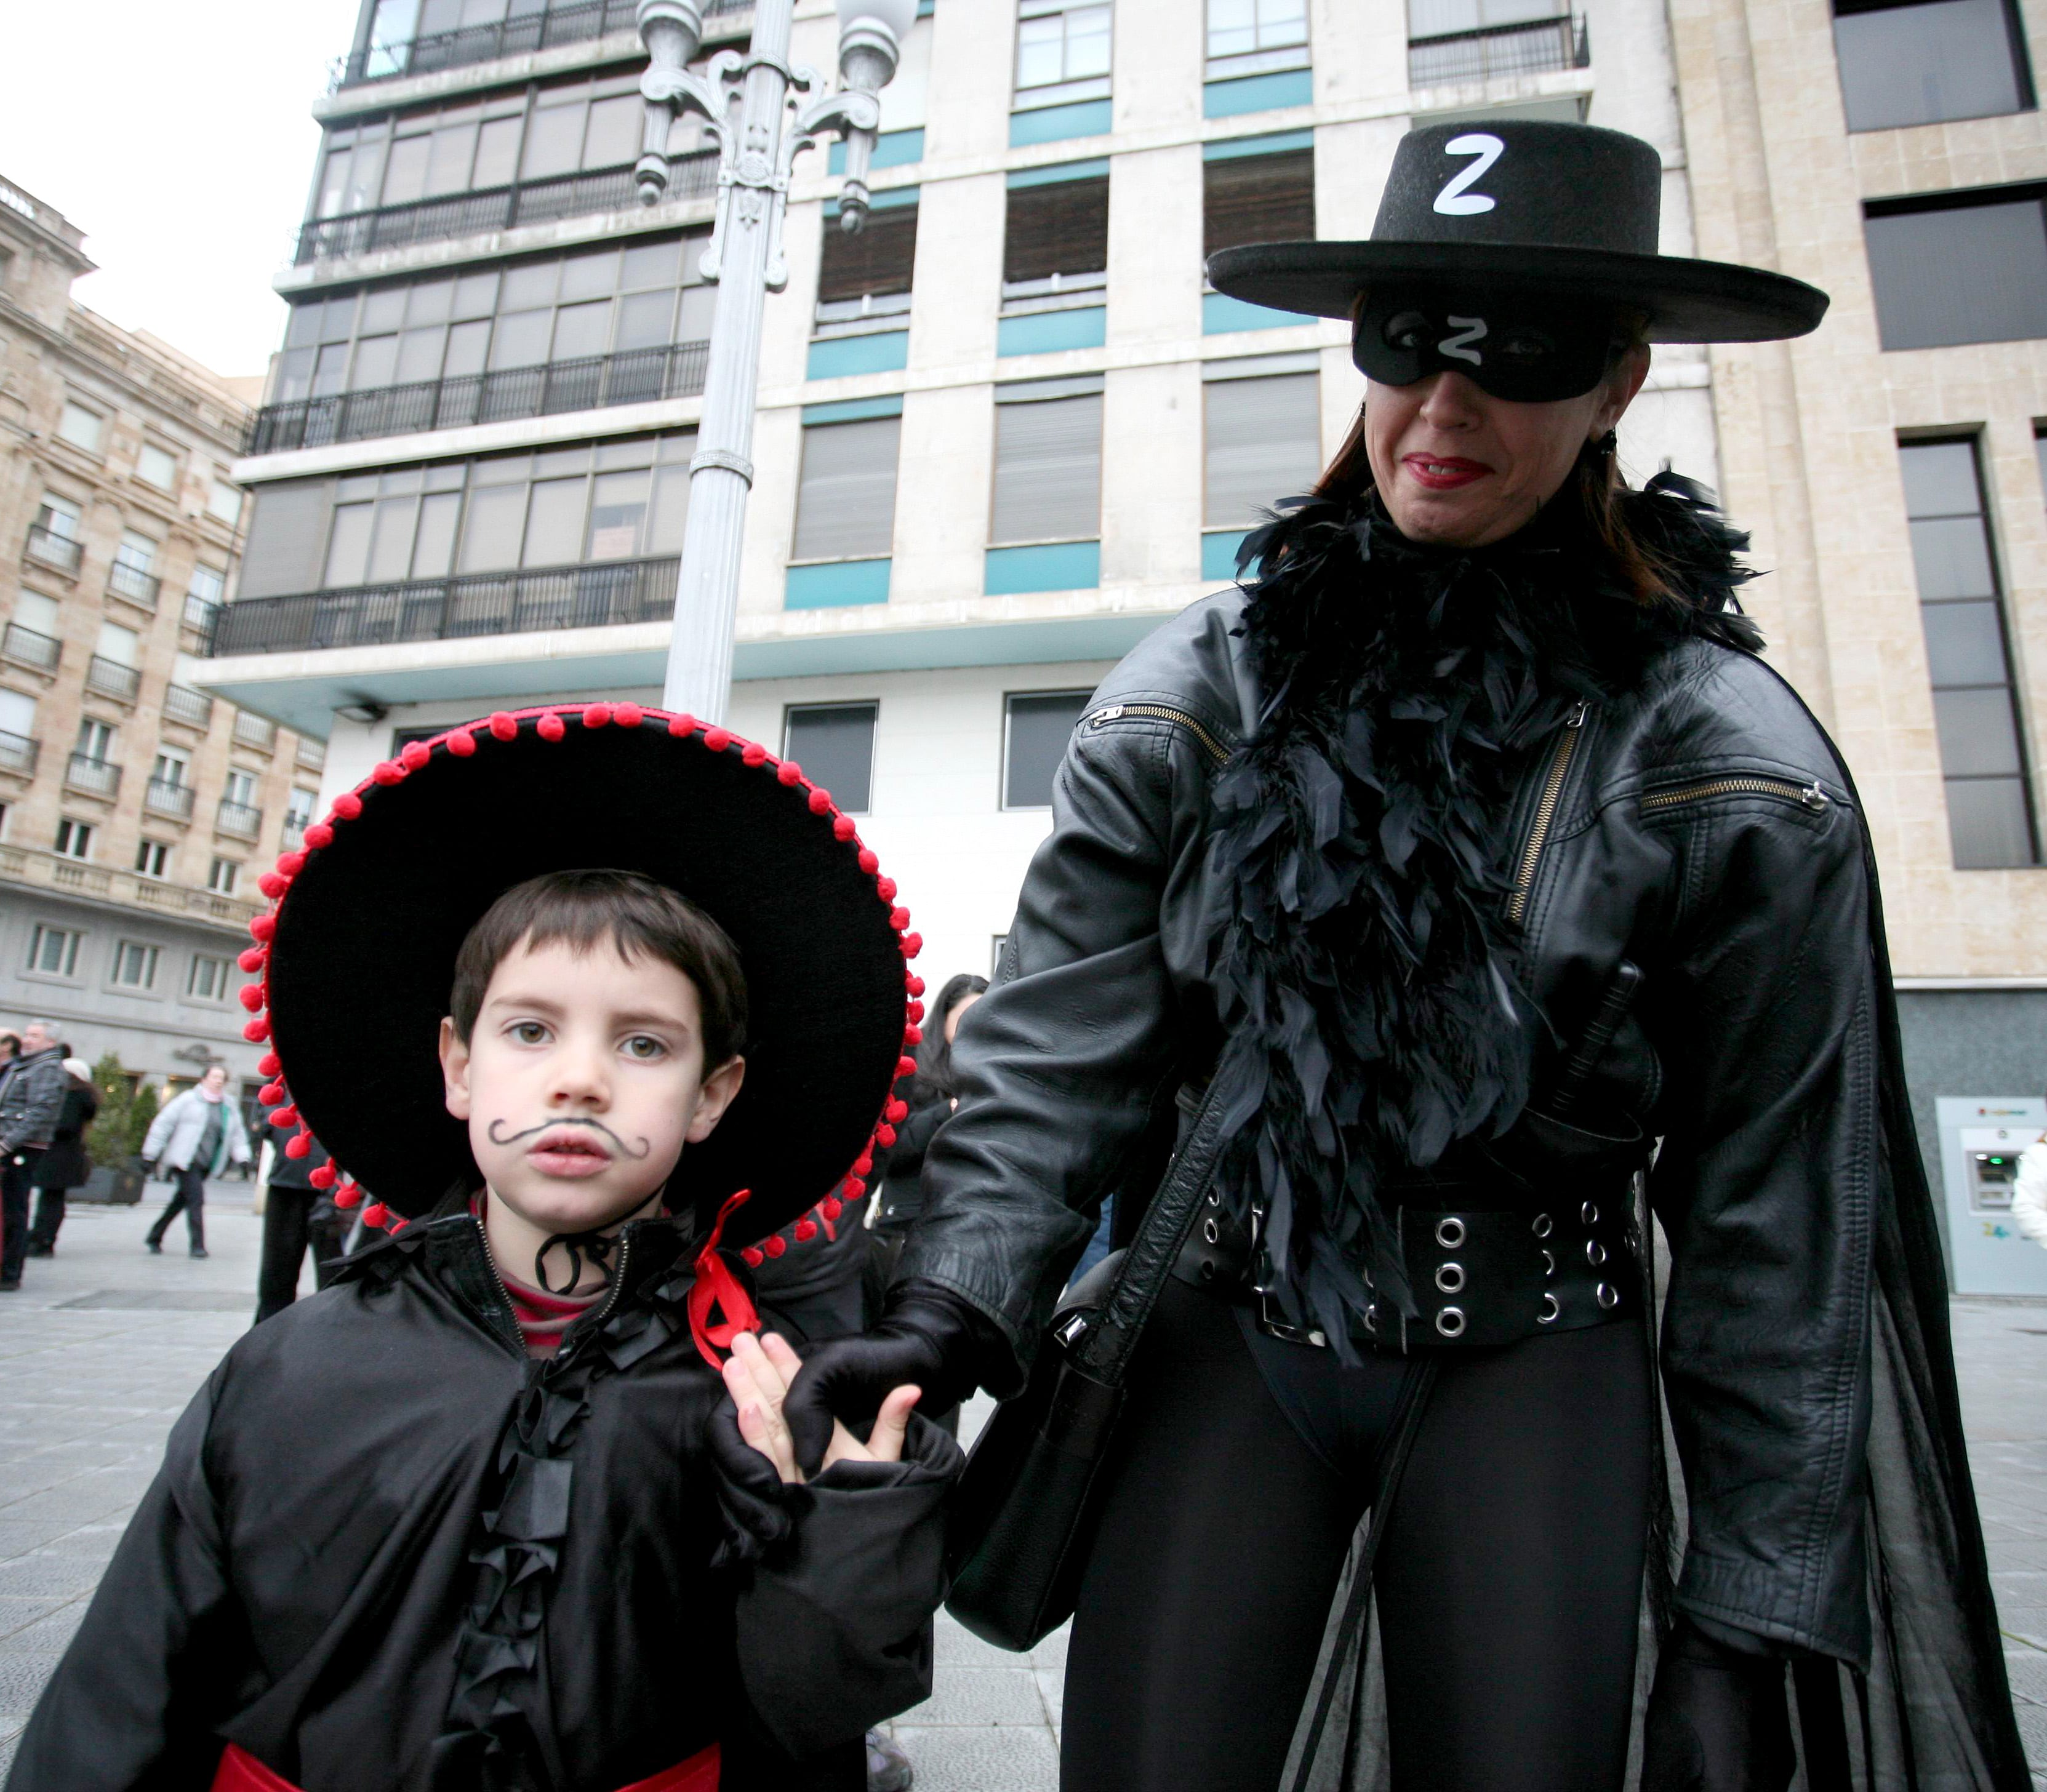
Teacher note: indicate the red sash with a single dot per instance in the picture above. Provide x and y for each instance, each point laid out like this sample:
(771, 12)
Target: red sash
(240, 1771)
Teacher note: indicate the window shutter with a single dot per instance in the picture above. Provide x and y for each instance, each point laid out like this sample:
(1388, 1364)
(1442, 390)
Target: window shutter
(1263, 443)
(1057, 229)
(878, 261)
(834, 745)
(285, 538)
(1048, 471)
(845, 504)
(1257, 199)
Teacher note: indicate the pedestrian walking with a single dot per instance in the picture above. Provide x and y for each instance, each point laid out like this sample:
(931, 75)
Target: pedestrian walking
(30, 1100)
(66, 1164)
(1401, 900)
(195, 1136)
(298, 1211)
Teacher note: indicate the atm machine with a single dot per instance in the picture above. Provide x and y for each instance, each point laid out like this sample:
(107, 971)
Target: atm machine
(1981, 1139)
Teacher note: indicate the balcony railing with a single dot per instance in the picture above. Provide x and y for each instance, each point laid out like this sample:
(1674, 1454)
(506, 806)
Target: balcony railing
(481, 603)
(168, 798)
(199, 613)
(312, 755)
(112, 678)
(96, 777)
(254, 731)
(244, 820)
(54, 550)
(17, 754)
(23, 865)
(587, 383)
(483, 43)
(193, 708)
(29, 647)
(1530, 47)
(133, 583)
(498, 208)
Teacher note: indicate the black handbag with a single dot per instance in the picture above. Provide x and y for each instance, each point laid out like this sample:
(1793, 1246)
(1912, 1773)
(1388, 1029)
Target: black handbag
(1023, 1516)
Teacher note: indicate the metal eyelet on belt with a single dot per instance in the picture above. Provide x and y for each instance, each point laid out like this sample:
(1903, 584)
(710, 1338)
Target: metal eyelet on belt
(1450, 1278)
(1215, 1199)
(1549, 1311)
(1372, 1320)
(1450, 1322)
(1608, 1296)
(1543, 1226)
(1595, 1253)
(1589, 1213)
(1548, 1264)
(1449, 1232)
(1211, 1231)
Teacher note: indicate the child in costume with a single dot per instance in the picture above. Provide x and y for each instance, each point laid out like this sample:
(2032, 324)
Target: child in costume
(496, 1511)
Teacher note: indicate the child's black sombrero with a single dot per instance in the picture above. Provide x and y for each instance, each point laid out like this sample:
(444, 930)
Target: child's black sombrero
(358, 956)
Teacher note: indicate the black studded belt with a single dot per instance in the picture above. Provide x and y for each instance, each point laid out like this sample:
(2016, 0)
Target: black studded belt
(1481, 1278)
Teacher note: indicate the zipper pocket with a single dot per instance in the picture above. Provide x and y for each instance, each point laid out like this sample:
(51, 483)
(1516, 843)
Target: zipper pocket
(1160, 712)
(1806, 796)
(1546, 805)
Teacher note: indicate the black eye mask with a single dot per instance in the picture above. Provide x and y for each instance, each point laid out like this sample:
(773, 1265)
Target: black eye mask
(1525, 351)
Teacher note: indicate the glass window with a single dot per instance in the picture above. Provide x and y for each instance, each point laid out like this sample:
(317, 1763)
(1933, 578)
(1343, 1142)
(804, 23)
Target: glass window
(18, 714)
(1261, 442)
(53, 951)
(845, 500)
(222, 876)
(1060, 227)
(208, 583)
(1257, 199)
(1048, 471)
(95, 740)
(1920, 63)
(58, 516)
(137, 552)
(172, 764)
(135, 965)
(158, 466)
(153, 858)
(242, 788)
(1975, 711)
(207, 980)
(123, 646)
(74, 839)
(834, 745)
(1243, 27)
(223, 502)
(1036, 727)
(877, 261)
(1974, 271)
(299, 807)
(81, 427)
(1062, 42)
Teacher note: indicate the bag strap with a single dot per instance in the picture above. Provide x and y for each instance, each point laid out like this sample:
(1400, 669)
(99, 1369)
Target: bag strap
(1104, 1350)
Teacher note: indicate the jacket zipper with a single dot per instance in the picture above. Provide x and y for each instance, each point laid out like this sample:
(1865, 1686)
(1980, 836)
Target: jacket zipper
(483, 1241)
(1160, 712)
(1809, 796)
(604, 1312)
(1546, 811)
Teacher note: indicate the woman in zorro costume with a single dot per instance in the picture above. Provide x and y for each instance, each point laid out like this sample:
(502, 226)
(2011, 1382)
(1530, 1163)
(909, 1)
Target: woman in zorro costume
(1474, 854)
(394, 1545)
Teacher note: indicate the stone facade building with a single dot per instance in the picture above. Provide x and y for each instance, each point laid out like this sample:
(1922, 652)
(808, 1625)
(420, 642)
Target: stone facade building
(136, 810)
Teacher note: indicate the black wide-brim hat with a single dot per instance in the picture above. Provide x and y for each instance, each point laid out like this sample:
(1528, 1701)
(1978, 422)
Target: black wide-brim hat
(1562, 210)
(358, 956)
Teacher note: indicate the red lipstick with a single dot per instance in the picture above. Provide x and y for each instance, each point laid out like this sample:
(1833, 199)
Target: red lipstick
(1443, 473)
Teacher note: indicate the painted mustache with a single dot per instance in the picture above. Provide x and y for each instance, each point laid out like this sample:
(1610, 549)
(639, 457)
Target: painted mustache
(645, 1147)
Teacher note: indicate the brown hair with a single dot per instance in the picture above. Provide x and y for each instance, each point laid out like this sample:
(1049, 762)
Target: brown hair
(641, 918)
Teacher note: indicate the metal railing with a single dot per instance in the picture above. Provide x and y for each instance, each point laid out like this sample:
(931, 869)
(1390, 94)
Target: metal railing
(133, 583)
(312, 754)
(498, 208)
(23, 864)
(113, 679)
(32, 649)
(589, 382)
(199, 613)
(1529, 47)
(254, 731)
(17, 754)
(484, 42)
(480, 603)
(54, 550)
(168, 798)
(193, 708)
(96, 777)
(242, 820)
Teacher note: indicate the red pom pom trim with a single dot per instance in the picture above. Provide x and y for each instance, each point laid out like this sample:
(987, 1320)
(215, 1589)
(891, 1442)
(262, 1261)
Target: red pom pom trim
(252, 958)
(390, 772)
(348, 1195)
(868, 863)
(914, 984)
(806, 1229)
(285, 1117)
(320, 833)
(376, 1214)
(502, 727)
(251, 997)
(262, 926)
(788, 772)
(884, 1134)
(820, 802)
(258, 1031)
(830, 1208)
(414, 754)
(906, 1065)
(718, 739)
(843, 827)
(776, 1246)
(751, 1256)
(322, 1178)
(348, 806)
(885, 888)
(853, 1188)
(913, 1035)
(270, 1092)
(628, 715)
(897, 1111)
(398, 1226)
(290, 865)
(753, 754)
(863, 1163)
(268, 1065)
(551, 727)
(597, 715)
(462, 744)
(899, 919)
(273, 884)
(913, 943)
(299, 1145)
(684, 724)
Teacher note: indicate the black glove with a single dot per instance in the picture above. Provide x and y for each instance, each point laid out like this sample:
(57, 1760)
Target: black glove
(930, 1338)
(758, 1508)
(1717, 1720)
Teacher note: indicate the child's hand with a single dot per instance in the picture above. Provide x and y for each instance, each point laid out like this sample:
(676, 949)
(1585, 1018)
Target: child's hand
(757, 1377)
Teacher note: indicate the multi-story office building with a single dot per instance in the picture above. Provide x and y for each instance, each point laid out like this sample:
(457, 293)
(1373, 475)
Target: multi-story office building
(136, 810)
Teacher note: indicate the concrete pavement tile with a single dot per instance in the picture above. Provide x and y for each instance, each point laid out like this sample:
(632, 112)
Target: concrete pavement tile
(20, 1538)
(87, 1543)
(73, 1500)
(1052, 1651)
(985, 1760)
(979, 1695)
(17, 1614)
(34, 1576)
(1052, 1690)
(21, 1679)
(2027, 1669)
(2033, 1732)
(956, 1645)
(51, 1636)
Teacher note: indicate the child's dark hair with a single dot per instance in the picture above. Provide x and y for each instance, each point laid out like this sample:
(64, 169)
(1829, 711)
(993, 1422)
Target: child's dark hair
(641, 918)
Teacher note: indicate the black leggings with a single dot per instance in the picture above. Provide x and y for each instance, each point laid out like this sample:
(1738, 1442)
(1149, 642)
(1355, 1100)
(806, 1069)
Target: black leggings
(1508, 1585)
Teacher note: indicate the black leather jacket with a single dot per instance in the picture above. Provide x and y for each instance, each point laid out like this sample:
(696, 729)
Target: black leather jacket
(1700, 826)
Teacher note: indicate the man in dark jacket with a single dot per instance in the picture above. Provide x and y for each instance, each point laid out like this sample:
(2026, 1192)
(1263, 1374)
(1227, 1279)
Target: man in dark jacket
(29, 1104)
(66, 1163)
(297, 1211)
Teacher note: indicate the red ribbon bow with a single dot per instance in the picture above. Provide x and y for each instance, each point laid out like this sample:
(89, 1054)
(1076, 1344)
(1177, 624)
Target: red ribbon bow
(718, 1288)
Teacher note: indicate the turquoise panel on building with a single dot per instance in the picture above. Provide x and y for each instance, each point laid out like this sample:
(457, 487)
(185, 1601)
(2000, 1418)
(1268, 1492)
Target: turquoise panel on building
(1219, 549)
(1220, 314)
(1056, 565)
(1258, 93)
(892, 149)
(1041, 332)
(854, 410)
(885, 353)
(1054, 124)
(1275, 143)
(834, 582)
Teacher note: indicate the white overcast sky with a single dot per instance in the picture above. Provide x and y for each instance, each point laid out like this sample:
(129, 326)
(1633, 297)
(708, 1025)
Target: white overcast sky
(180, 139)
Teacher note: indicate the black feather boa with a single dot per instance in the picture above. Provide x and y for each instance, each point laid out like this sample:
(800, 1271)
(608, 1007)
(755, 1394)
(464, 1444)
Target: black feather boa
(1361, 953)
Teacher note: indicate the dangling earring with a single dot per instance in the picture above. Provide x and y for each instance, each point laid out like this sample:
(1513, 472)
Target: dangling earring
(1608, 444)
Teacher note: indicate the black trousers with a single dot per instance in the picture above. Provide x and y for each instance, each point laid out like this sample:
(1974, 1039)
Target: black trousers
(49, 1216)
(17, 1179)
(1509, 1578)
(191, 1201)
(288, 1229)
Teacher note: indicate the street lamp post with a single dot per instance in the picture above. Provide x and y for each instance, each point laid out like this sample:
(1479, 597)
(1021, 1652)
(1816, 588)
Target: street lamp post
(754, 109)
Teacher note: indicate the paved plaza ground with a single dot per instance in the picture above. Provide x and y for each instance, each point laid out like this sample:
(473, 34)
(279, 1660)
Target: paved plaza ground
(104, 1344)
